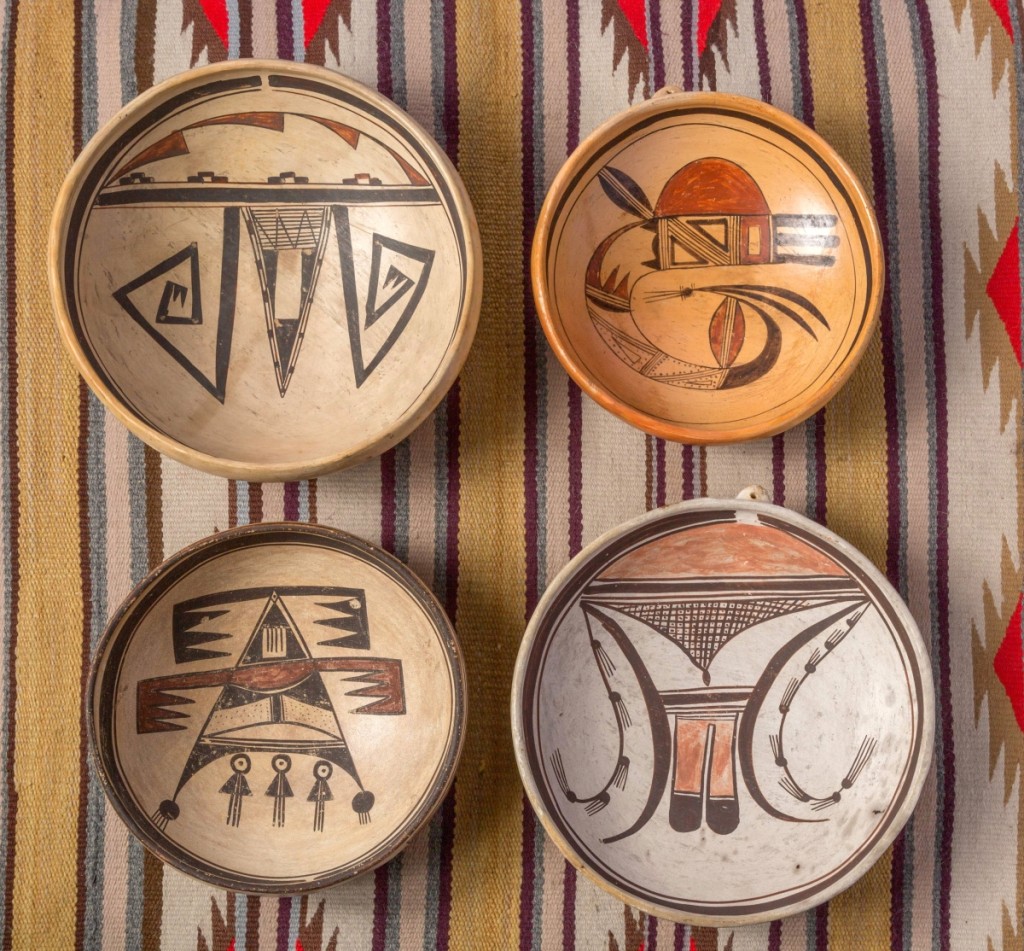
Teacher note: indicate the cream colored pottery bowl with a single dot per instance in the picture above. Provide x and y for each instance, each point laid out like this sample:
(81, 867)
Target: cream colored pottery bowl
(277, 708)
(265, 270)
(722, 712)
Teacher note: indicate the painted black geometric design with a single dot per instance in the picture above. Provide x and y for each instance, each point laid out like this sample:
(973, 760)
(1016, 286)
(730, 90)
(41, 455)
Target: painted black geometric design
(703, 738)
(273, 699)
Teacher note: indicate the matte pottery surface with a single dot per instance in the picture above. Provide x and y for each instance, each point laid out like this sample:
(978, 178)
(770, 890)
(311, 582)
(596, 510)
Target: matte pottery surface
(723, 712)
(278, 708)
(266, 270)
(707, 268)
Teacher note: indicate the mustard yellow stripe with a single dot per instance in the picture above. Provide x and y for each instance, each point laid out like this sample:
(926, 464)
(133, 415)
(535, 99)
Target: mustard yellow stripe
(855, 438)
(49, 620)
(486, 874)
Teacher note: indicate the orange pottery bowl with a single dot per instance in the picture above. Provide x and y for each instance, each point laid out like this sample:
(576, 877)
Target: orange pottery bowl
(707, 268)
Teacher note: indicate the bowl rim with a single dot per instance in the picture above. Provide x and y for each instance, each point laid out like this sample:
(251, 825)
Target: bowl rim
(377, 443)
(206, 873)
(665, 100)
(915, 784)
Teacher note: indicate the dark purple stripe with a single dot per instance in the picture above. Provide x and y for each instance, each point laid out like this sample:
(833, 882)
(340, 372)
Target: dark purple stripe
(569, 909)
(806, 91)
(572, 43)
(761, 45)
(388, 501)
(451, 84)
(652, 934)
(285, 34)
(937, 315)
(291, 501)
(444, 894)
(575, 468)
(779, 469)
(678, 937)
(245, 28)
(284, 916)
(531, 369)
(384, 79)
(821, 928)
(648, 473)
(688, 31)
(775, 936)
(688, 453)
(821, 499)
(14, 515)
(453, 417)
(380, 908)
(892, 396)
(897, 906)
(526, 892)
(655, 40)
(659, 455)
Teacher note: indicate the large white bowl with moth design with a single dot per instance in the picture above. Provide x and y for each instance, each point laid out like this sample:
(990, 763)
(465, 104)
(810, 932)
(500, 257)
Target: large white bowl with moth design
(722, 712)
(707, 268)
(277, 708)
(265, 270)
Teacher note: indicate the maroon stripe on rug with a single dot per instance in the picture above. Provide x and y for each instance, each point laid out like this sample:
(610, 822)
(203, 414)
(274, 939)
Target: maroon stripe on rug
(764, 73)
(285, 30)
(14, 515)
(85, 565)
(655, 41)
(85, 569)
(941, 497)
(688, 453)
(145, 44)
(291, 501)
(252, 923)
(380, 908)
(284, 918)
(385, 84)
(779, 469)
(244, 28)
(312, 500)
(232, 503)
(648, 473)
(527, 891)
(659, 461)
(775, 936)
(388, 500)
(255, 501)
(688, 38)
(530, 336)
(821, 927)
(880, 201)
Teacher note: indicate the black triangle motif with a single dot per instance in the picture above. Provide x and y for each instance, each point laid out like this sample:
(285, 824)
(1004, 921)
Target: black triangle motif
(178, 305)
(286, 319)
(275, 637)
(397, 287)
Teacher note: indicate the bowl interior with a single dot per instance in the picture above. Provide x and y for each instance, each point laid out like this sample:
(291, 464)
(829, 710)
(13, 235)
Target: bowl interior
(267, 265)
(707, 268)
(278, 709)
(723, 714)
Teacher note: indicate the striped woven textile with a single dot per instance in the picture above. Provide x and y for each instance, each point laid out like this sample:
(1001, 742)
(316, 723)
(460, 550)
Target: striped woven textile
(917, 461)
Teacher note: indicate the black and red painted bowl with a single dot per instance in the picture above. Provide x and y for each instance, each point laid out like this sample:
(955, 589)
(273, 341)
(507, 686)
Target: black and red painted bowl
(722, 712)
(277, 708)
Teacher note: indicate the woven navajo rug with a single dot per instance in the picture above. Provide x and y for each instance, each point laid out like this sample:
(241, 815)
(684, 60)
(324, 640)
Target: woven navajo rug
(917, 461)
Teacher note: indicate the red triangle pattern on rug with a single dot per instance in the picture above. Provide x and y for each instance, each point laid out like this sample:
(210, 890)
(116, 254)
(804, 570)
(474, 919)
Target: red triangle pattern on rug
(635, 11)
(707, 12)
(1002, 10)
(1004, 289)
(1009, 665)
(313, 12)
(217, 13)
